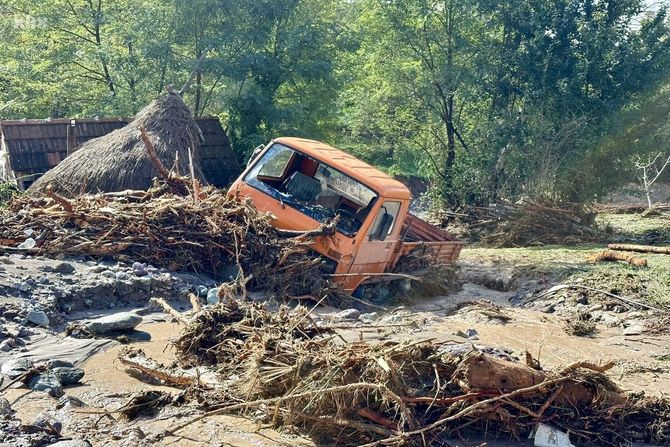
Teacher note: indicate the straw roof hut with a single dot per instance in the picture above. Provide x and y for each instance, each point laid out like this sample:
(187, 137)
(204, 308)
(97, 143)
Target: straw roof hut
(119, 159)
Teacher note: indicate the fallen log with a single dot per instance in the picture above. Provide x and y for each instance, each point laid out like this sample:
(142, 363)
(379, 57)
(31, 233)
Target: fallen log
(640, 248)
(611, 255)
(136, 359)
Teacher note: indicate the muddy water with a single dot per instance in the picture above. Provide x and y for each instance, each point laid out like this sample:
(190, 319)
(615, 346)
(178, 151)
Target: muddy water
(544, 337)
(107, 385)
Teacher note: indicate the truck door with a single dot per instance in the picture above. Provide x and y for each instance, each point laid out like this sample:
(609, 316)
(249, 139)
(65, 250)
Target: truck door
(379, 243)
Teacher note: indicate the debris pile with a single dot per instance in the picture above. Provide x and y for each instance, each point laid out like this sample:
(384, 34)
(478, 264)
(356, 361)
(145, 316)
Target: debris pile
(400, 393)
(208, 233)
(523, 223)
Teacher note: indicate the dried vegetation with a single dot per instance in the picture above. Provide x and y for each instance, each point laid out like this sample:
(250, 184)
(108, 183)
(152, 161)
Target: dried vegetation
(400, 393)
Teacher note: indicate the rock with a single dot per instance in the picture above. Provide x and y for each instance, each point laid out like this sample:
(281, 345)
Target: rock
(38, 317)
(548, 309)
(610, 320)
(56, 363)
(472, 334)
(635, 329)
(70, 401)
(72, 443)
(16, 367)
(369, 317)
(213, 295)
(45, 420)
(139, 269)
(582, 299)
(7, 345)
(43, 280)
(28, 244)
(595, 307)
(5, 408)
(121, 275)
(67, 375)
(634, 315)
(347, 314)
(392, 319)
(124, 321)
(47, 382)
(108, 274)
(97, 269)
(64, 268)
(202, 290)
(23, 287)
(619, 309)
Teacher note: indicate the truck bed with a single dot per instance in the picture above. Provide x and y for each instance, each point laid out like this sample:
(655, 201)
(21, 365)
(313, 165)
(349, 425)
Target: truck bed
(444, 247)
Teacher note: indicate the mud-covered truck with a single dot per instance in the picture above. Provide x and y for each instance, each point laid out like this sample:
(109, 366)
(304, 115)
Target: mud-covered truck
(306, 183)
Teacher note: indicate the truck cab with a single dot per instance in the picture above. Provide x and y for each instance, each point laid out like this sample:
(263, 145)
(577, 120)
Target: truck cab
(306, 183)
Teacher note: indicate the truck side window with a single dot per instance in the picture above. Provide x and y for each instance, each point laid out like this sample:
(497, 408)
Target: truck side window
(385, 218)
(275, 161)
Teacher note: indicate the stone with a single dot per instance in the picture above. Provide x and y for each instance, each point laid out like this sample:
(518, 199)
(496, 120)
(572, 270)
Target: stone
(634, 315)
(97, 269)
(121, 275)
(16, 367)
(635, 329)
(595, 307)
(213, 295)
(108, 274)
(72, 443)
(43, 280)
(347, 314)
(38, 318)
(202, 290)
(5, 408)
(23, 287)
(28, 244)
(64, 268)
(472, 334)
(368, 317)
(123, 321)
(45, 420)
(7, 345)
(68, 375)
(610, 320)
(548, 309)
(56, 363)
(139, 269)
(47, 382)
(70, 401)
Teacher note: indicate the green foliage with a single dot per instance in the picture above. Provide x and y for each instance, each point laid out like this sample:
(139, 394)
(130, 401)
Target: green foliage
(485, 98)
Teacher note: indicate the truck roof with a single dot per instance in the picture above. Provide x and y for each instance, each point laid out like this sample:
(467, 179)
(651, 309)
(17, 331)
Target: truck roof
(382, 183)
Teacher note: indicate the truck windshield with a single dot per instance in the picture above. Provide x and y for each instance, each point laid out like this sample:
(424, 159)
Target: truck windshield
(313, 188)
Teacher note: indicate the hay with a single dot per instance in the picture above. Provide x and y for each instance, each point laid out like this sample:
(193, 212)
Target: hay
(119, 160)
(409, 393)
(524, 223)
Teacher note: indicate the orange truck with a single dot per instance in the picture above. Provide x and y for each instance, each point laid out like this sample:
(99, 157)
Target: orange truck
(306, 183)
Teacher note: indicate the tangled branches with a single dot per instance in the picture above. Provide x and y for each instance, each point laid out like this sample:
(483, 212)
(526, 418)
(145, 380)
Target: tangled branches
(409, 393)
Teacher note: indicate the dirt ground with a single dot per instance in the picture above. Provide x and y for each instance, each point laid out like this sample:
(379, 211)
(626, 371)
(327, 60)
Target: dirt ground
(501, 304)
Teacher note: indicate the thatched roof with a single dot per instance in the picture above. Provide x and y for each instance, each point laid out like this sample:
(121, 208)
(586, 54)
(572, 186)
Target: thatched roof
(119, 160)
(30, 147)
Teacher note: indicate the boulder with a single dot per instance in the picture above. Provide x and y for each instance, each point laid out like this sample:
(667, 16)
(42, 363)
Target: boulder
(47, 382)
(5, 407)
(16, 367)
(64, 267)
(123, 321)
(68, 375)
(38, 317)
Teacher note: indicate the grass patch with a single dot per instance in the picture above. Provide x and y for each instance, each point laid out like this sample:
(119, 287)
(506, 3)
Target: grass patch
(568, 265)
(635, 227)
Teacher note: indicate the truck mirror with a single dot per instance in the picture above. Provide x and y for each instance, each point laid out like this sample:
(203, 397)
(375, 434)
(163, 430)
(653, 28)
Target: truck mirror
(383, 228)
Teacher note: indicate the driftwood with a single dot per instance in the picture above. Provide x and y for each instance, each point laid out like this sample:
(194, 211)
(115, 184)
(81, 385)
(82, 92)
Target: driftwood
(137, 360)
(627, 301)
(169, 309)
(611, 255)
(640, 248)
